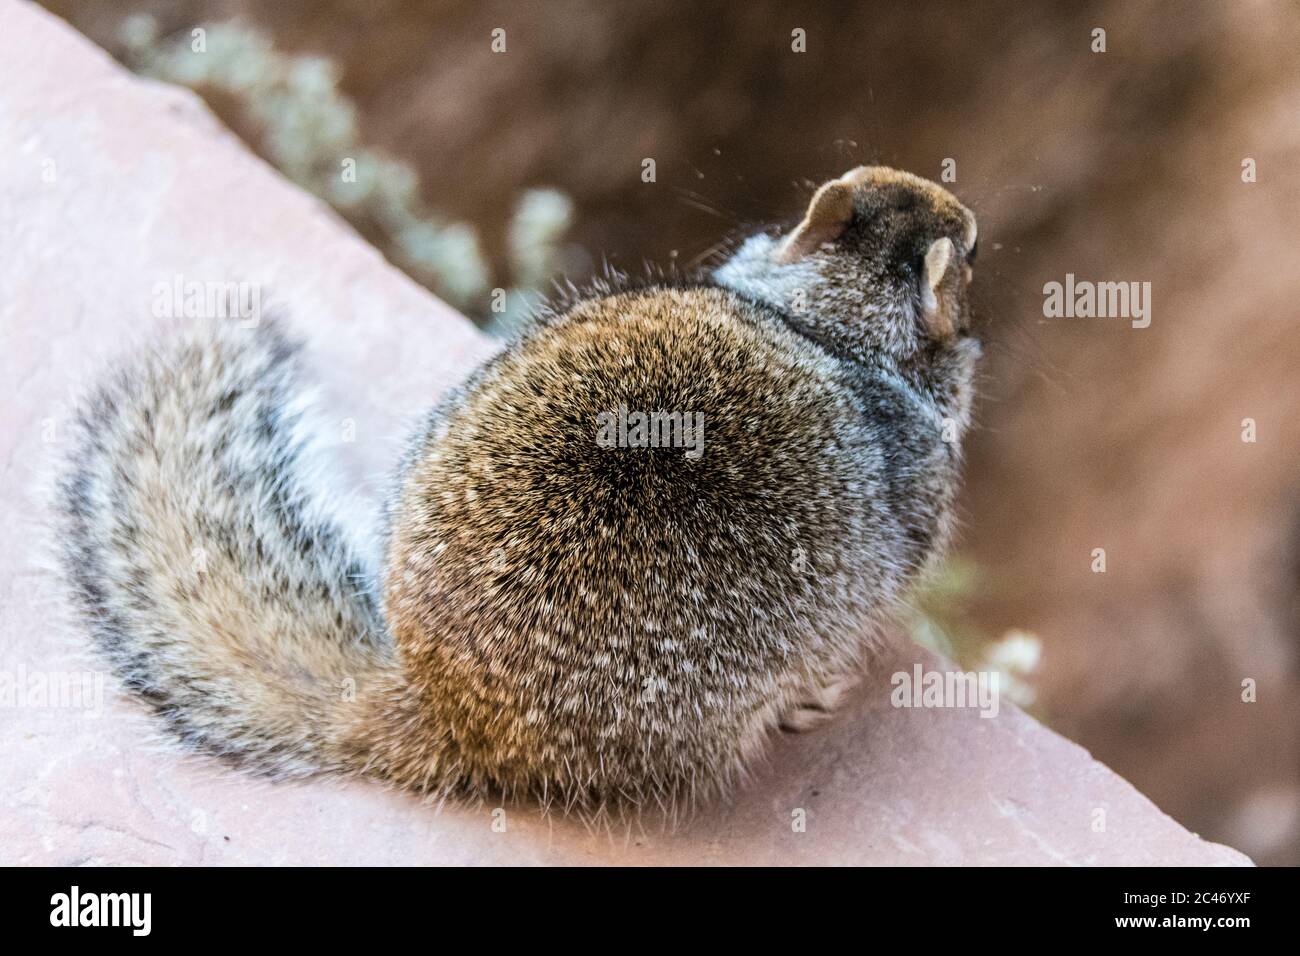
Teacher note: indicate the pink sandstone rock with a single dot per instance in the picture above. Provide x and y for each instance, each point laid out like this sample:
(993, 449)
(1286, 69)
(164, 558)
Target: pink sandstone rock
(111, 185)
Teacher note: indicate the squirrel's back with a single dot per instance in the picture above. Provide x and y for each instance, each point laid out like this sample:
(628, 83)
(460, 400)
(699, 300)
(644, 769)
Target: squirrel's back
(588, 602)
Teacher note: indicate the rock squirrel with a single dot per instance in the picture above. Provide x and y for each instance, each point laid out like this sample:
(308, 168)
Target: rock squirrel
(667, 519)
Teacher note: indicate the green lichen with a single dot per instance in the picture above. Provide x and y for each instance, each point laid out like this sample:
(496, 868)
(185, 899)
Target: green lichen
(939, 621)
(308, 129)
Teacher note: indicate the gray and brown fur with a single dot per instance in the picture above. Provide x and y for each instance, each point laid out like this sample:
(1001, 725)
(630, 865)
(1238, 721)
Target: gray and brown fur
(553, 619)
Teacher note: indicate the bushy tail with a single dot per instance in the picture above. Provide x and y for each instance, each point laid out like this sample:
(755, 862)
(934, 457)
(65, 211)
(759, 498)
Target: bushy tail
(211, 577)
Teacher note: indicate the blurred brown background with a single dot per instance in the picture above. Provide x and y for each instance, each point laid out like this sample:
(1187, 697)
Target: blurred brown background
(1117, 166)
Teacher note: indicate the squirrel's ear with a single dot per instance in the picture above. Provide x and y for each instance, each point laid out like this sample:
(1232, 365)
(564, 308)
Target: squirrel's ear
(939, 290)
(828, 215)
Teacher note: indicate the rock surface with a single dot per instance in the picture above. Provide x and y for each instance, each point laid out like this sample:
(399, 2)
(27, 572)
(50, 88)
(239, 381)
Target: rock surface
(112, 185)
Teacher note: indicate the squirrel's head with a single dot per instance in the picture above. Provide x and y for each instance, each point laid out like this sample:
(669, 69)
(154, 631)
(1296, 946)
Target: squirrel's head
(880, 262)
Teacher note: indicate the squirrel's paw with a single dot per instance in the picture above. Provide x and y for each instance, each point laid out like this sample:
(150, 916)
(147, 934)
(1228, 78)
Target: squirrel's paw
(818, 706)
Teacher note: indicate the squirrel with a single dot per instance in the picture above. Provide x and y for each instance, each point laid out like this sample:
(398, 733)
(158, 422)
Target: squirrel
(557, 617)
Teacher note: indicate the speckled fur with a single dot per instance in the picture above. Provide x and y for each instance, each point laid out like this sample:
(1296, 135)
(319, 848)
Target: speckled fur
(554, 619)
